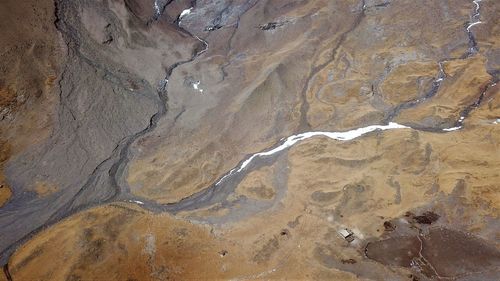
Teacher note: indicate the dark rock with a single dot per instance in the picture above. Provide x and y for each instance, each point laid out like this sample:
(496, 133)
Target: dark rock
(271, 25)
(427, 218)
(441, 253)
(389, 226)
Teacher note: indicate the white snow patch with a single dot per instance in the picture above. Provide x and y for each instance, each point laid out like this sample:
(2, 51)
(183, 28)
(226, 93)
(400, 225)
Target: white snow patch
(473, 24)
(157, 8)
(196, 86)
(136, 201)
(291, 140)
(475, 16)
(476, 2)
(185, 13)
(452, 129)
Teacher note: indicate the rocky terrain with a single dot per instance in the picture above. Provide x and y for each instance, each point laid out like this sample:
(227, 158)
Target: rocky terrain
(249, 139)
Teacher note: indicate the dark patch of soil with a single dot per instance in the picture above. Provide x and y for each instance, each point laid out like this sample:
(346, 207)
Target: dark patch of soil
(427, 218)
(449, 253)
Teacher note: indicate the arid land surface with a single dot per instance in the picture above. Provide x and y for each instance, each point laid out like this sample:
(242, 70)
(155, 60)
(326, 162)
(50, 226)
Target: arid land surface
(249, 140)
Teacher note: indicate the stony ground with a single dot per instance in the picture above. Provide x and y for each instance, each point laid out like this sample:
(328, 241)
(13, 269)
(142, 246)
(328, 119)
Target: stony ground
(155, 140)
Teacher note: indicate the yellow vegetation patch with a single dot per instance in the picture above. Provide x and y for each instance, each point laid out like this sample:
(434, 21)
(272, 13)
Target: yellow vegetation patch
(121, 242)
(258, 185)
(50, 80)
(7, 97)
(5, 192)
(44, 188)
